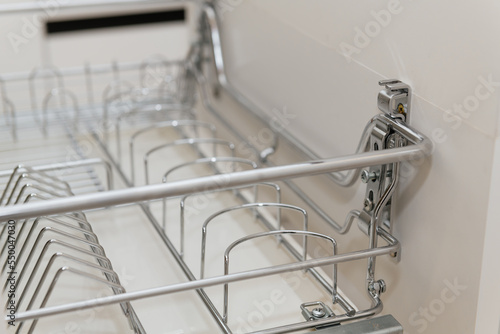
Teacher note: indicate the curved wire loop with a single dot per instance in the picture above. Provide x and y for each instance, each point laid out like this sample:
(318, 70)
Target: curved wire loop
(271, 233)
(243, 207)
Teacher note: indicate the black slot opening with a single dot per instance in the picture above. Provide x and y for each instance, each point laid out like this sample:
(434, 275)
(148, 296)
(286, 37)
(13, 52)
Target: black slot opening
(176, 15)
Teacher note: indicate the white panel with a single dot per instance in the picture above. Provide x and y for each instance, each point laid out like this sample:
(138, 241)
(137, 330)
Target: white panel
(287, 54)
(26, 45)
(121, 43)
(21, 44)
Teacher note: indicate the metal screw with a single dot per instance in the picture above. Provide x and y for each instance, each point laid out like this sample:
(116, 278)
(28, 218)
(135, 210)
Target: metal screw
(318, 312)
(368, 205)
(395, 141)
(401, 109)
(378, 287)
(368, 176)
(392, 142)
(382, 286)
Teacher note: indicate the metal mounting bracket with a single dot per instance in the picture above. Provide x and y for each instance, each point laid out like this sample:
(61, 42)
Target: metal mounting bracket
(395, 99)
(394, 102)
(315, 311)
(378, 178)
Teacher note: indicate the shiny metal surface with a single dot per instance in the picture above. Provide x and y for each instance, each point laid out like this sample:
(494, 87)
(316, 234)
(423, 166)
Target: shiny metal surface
(422, 147)
(163, 125)
(190, 141)
(59, 166)
(304, 233)
(320, 310)
(212, 161)
(217, 280)
(182, 205)
(395, 99)
(250, 206)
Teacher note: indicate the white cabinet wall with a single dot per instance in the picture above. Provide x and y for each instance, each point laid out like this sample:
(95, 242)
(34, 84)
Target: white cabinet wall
(322, 60)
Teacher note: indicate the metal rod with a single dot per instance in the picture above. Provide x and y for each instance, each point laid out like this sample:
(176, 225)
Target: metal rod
(238, 195)
(103, 260)
(183, 187)
(184, 267)
(375, 218)
(201, 80)
(206, 282)
(188, 141)
(304, 233)
(59, 166)
(247, 206)
(212, 161)
(343, 180)
(164, 125)
(321, 280)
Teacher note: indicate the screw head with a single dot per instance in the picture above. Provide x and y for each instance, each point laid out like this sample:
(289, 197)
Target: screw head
(318, 312)
(392, 142)
(368, 205)
(401, 109)
(382, 286)
(366, 176)
(378, 287)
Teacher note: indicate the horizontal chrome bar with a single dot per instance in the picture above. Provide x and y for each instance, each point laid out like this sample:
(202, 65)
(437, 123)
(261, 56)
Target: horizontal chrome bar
(206, 282)
(184, 187)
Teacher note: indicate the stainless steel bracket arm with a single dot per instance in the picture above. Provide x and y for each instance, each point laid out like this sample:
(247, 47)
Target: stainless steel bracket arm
(382, 180)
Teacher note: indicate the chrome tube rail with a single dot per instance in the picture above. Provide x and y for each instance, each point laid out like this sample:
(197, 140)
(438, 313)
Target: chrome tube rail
(422, 147)
(219, 280)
